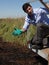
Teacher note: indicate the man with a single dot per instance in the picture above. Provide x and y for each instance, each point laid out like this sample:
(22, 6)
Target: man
(40, 20)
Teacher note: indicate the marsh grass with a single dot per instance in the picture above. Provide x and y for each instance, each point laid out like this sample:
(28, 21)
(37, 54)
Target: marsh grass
(7, 26)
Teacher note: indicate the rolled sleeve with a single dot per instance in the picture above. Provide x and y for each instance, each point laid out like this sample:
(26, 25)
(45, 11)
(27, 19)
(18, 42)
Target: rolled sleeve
(27, 23)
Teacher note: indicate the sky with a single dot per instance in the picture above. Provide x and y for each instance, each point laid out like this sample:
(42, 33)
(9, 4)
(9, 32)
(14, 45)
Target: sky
(13, 8)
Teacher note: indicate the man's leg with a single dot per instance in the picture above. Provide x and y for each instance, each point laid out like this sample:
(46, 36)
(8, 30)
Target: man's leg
(42, 31)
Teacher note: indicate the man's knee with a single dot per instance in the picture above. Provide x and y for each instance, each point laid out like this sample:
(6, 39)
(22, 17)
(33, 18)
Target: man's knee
(39, 24)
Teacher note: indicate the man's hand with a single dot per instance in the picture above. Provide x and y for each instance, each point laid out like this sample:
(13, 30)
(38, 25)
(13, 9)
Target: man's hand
(16, 32)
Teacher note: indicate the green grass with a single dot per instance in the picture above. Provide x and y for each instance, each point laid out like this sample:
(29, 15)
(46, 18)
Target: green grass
(7, 26)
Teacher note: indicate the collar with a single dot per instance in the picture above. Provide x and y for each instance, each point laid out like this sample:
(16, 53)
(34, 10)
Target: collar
(32, 17)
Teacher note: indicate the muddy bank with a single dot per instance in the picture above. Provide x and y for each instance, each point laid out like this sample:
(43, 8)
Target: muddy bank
(11, 54)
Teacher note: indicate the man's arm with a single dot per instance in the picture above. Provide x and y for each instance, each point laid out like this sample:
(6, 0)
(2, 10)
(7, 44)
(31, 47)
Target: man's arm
(23, 30)
(44, 4)
(25, 26)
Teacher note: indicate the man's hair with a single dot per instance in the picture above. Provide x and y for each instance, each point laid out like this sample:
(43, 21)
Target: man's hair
(25, 6)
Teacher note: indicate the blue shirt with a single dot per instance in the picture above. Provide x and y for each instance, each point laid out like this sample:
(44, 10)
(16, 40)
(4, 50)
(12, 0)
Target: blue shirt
(39, 15)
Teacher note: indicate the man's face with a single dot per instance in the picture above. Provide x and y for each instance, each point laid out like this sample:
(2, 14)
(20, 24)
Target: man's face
(29, 10)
